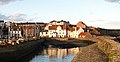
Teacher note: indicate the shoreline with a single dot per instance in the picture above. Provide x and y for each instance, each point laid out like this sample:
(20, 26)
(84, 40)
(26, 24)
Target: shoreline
(106, 49)
(14, 53)
(90, 54)
(66, 43)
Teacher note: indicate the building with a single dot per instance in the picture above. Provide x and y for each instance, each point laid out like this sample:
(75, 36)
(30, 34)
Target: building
(34, 28)
(56, 23)
(2, 25)
(44, 33)
(28, 31)
(62, 22)
(15, 31)
(74, 32)
(63, 29)
(81, 24)
(57, 31)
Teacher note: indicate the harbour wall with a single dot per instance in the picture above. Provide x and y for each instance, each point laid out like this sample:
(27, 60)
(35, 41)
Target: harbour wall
(111, 48)
(107, 45)
(14, 53)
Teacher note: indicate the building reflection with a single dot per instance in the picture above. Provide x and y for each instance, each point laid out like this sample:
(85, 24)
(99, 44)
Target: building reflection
(60, 53)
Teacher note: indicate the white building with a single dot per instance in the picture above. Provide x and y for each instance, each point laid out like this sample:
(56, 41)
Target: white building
(74, 32)
(57, 31)
(56, 23)
(15, 31)
(62, 29)
(44, 33)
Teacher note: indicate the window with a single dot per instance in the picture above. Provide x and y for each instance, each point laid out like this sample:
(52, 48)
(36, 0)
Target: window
(11, 29)
(15, 29)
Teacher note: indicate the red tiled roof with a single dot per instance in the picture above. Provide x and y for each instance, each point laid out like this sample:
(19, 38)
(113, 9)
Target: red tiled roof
(81, 24)
(14, 26)
(71, 29)
(54, 27)
(28, 27)
(78, 28)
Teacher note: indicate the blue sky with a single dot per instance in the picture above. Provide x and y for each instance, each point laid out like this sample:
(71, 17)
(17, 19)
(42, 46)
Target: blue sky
(98, 13)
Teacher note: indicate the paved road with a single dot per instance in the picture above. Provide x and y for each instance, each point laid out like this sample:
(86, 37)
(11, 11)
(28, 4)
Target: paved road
(90, 54)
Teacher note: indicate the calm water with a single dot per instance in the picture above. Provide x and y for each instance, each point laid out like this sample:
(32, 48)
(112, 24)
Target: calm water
(55, 55)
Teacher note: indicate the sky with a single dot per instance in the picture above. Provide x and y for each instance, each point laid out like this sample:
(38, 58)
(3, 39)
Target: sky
(97, 13)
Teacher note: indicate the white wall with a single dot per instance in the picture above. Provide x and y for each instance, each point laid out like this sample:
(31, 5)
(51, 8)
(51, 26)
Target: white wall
(75, 34)
(13, 33)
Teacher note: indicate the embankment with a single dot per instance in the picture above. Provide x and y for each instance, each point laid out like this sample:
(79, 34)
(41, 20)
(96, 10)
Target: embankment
(14, 53)
(90, 54)
(111, 48)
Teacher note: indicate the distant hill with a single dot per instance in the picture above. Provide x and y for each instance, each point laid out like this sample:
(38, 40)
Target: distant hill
(101, 31)
(111, 32)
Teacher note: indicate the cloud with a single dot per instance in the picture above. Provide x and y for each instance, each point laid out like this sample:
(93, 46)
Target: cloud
(2, 17)
(16, 17)
(100, 20)
(2, 2)
(114, 1)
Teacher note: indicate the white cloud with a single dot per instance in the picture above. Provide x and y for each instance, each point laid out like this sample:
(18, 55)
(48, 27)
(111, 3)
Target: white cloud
(2, 2)
(117, 1)
(2, 17)
(16, 17)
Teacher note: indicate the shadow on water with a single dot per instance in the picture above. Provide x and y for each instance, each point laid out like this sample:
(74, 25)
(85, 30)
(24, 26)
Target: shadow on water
(56, 55)
(67, 44)
(50, 54)
(28, 57)
(53, 51)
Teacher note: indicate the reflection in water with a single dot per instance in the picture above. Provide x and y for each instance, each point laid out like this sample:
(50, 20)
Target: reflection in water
(56, 55)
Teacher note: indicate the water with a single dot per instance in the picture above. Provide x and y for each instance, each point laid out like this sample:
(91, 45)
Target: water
(56, 55)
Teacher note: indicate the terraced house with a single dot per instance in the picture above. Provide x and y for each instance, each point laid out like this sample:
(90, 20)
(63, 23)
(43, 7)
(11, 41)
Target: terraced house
(63, 29)
(55, 29)
(15, 31)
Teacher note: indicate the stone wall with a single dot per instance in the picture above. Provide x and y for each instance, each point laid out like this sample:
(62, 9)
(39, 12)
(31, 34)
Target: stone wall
(110, 48)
